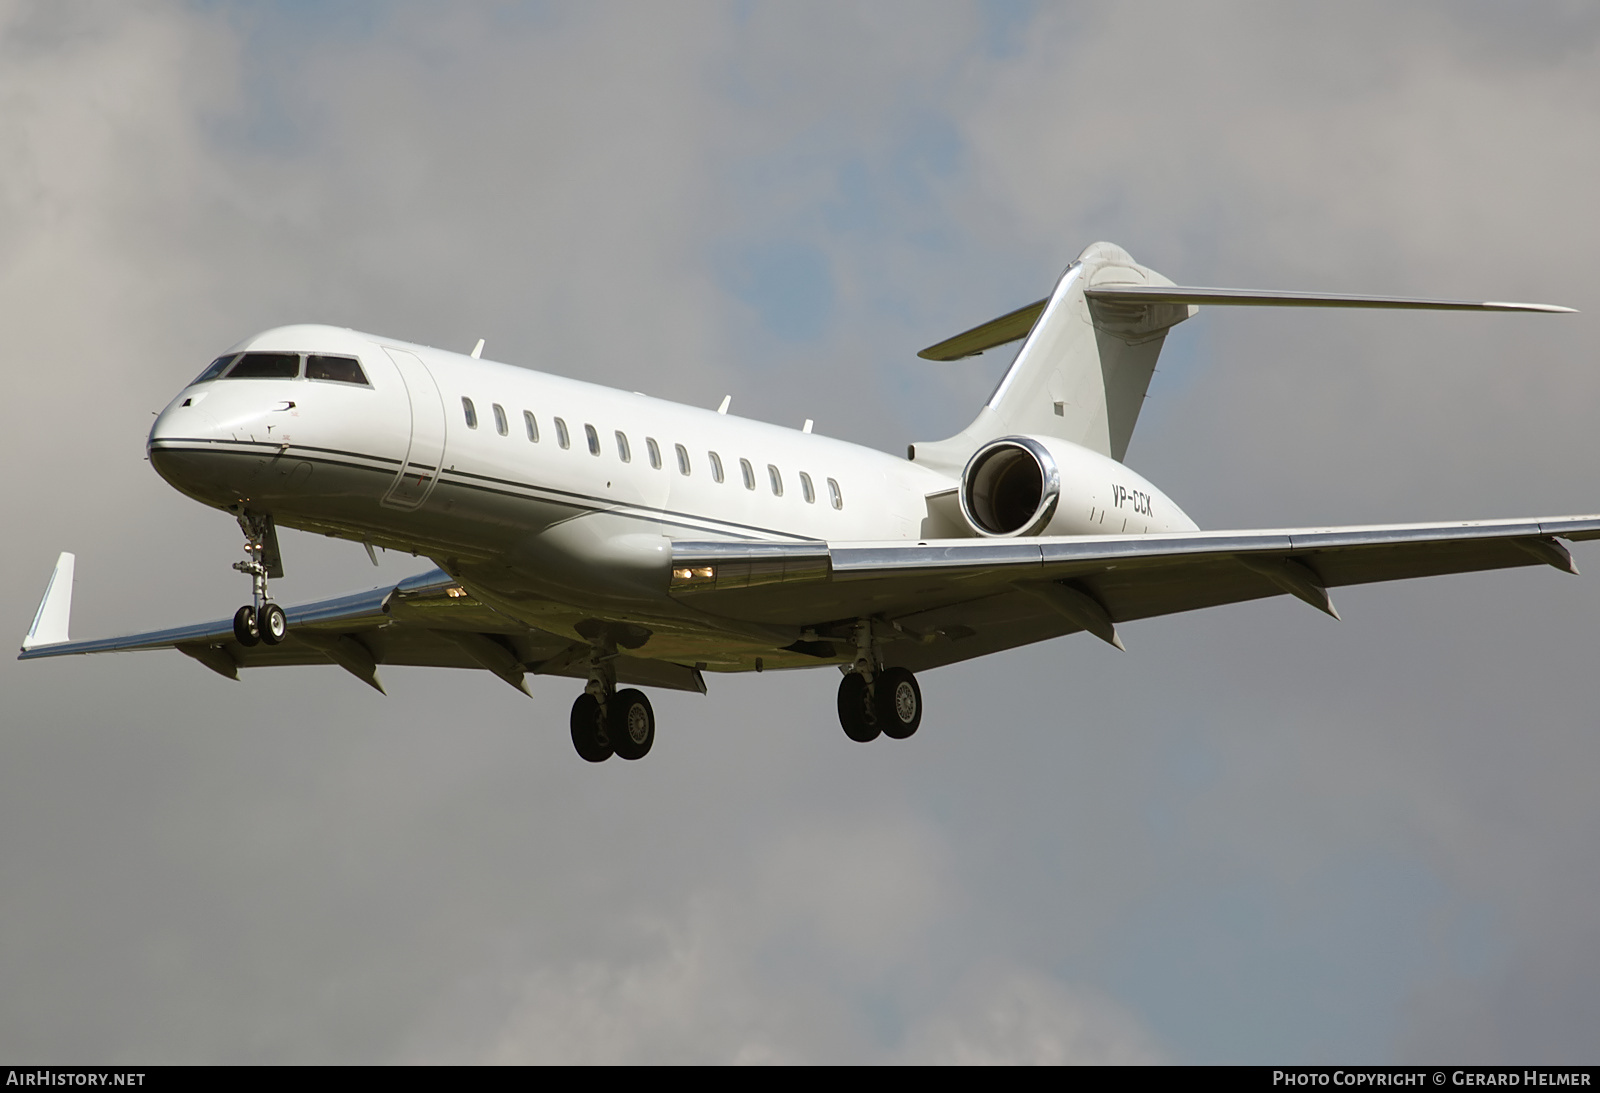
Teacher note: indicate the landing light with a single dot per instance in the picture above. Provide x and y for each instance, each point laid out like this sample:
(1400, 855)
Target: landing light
(456, 593)
(693, 574)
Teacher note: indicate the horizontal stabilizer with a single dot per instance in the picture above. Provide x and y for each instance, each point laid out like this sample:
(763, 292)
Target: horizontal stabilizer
(1016, 324)
(55, 610)
(1009, 327)
(1245, 297)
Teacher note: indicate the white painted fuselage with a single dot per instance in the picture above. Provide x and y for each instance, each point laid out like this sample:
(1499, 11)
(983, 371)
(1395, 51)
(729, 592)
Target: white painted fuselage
(557, 500)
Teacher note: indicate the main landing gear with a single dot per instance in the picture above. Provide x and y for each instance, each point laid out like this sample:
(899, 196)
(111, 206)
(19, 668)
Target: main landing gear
(874, 699)
(606, 721)
(261, 620)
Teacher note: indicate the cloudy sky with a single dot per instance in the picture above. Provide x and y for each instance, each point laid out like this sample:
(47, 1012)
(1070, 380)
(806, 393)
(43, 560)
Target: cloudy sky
(1258, 836)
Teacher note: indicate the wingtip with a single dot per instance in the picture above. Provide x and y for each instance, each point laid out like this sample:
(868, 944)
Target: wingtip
(51, 621)
(1513, 305)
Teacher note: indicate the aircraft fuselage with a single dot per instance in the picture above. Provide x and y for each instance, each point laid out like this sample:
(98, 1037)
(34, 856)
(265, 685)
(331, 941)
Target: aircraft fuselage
(552, 498)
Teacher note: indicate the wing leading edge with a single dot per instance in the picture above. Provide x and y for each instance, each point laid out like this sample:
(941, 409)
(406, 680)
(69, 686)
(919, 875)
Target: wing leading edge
(944, 601)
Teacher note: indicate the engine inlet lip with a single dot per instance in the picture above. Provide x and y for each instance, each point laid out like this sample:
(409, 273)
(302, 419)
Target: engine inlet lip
(1049, 493)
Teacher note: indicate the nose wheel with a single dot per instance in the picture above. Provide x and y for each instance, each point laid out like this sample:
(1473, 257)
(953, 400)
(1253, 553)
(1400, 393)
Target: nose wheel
(260, 620)
(270, 625)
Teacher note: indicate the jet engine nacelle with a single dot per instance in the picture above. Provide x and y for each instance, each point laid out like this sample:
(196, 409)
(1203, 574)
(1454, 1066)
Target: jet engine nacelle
(1040, 485)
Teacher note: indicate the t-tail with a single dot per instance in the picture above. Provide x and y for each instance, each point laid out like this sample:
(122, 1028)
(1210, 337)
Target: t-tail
(1091, 347)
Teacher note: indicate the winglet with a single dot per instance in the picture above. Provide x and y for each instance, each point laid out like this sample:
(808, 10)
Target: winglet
(50, 621)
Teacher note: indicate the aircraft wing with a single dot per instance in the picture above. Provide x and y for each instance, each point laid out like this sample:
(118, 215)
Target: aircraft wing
(424, 620)
(943, 601)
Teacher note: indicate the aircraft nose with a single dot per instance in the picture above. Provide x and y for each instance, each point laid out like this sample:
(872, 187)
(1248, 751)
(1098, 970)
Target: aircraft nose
(181, 448)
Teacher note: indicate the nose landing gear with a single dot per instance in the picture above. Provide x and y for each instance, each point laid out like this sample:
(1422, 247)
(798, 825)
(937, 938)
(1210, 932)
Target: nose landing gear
(261, 620)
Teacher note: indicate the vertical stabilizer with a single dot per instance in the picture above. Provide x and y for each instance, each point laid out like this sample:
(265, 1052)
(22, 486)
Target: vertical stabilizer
(1082, 373)
(50, 621)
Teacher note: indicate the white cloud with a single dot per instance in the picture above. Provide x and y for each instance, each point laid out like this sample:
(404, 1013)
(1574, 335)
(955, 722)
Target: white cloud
(1016, 1017)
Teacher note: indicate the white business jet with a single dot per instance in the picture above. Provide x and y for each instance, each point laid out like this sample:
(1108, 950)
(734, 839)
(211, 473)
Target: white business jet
(619, 539)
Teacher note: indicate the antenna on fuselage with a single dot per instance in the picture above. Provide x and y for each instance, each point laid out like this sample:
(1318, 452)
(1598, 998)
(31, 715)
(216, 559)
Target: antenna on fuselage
(477, 350)
(806, 428)
(726, 399)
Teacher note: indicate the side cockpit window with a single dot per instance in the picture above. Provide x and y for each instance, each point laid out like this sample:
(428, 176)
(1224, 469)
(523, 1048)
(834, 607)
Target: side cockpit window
(265, 366)
(216, 369)
(336, 369)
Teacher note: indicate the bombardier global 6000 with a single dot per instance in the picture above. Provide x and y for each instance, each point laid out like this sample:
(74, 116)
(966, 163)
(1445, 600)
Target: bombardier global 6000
(629, 542)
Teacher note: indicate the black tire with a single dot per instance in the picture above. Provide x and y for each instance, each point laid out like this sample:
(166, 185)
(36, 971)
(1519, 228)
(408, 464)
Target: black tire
(898, 703)
(632, 724)
(244, 626)
(856, 715)
(588, 734)
(272, 624)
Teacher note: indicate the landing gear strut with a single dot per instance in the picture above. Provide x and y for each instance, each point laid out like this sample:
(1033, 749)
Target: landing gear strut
(874, 699)
(606, 721)
(260, 620)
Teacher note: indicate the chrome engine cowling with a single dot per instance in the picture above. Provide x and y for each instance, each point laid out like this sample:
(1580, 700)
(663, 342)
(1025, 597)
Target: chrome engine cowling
(1038, 485)
(1010, 487)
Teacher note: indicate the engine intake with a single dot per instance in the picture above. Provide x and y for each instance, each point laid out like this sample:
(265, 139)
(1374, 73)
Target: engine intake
(1010, 487)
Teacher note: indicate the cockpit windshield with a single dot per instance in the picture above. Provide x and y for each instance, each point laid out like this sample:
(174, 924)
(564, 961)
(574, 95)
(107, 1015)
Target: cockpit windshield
(262, 366)
(319, 366)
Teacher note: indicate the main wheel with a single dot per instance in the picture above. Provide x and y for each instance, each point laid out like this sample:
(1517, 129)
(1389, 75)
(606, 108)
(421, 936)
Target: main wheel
(898, 703)
(588, 730)
(244, 626)
(856, 714)
(632, 724)
(272, 623)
